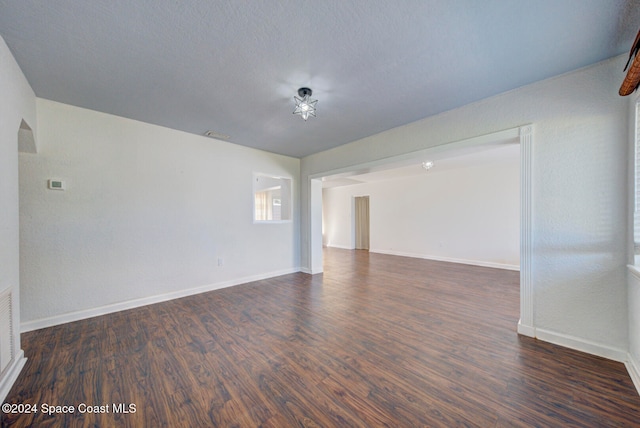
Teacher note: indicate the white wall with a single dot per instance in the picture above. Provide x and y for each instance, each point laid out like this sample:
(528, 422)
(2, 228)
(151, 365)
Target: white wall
(17, 103)
(338, 213)
(146, 215)
(633, 273)
(633, 362)
(579, 194)
(466, 215)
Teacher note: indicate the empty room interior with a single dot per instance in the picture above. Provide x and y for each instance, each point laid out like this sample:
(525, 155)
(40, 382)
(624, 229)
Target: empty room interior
(336, 213)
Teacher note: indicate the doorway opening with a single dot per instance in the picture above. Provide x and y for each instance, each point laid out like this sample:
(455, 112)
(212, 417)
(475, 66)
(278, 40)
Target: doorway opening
(522, 135)
(361, 222)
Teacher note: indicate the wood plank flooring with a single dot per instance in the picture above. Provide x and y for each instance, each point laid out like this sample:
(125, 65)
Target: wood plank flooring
(376, 340)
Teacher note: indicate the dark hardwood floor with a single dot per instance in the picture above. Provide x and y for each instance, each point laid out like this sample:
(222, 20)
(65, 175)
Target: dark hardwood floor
(374, 341)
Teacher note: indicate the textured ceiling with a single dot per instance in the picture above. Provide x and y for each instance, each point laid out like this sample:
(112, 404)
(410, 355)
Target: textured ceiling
(234, 66)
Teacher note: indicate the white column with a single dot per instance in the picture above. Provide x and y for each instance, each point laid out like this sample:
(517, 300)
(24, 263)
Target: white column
(526, 324)
(315, 214)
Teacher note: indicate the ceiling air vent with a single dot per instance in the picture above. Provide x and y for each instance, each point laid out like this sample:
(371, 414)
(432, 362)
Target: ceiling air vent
(219, 136)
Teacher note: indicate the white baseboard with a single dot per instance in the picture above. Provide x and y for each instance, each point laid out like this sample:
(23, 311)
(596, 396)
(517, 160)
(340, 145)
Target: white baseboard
(11, 374)
(131, 304)
(342, 247)
(311, 271)
(448, 259)
(526, 330)
(634, 371)
(579, 344)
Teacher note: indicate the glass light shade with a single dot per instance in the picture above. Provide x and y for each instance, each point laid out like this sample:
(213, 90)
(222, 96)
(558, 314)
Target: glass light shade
(427, 165)
(305, 106)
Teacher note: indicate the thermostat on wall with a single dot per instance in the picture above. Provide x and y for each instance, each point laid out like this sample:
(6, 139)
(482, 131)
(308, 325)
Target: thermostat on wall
(56, 184)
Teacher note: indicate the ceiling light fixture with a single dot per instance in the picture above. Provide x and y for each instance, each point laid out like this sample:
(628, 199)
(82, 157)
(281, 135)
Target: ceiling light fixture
(427, 165)
(305, 106)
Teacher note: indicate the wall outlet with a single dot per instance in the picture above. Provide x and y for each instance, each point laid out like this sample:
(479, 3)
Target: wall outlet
(220, 261)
